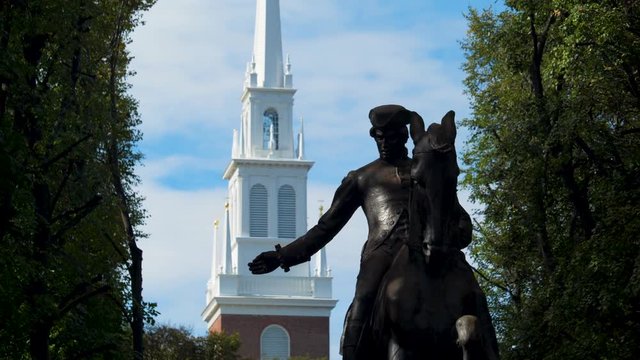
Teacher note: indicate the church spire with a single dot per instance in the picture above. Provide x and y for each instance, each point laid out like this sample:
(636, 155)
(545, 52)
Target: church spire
(228, 262)
(300, 150)
(215, 245)
(267, 44)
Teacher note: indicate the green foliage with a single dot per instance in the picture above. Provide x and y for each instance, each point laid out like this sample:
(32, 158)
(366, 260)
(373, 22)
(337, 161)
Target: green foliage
(164, 342)
(554, 157)
(220, 346)
(67, 129)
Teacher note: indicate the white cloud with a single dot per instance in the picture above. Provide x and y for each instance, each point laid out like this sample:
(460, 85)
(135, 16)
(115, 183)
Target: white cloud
(178, 252)
(166, 166)
(190, 59)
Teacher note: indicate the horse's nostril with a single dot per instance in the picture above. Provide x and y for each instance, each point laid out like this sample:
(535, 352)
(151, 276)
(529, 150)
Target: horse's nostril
(425, 245)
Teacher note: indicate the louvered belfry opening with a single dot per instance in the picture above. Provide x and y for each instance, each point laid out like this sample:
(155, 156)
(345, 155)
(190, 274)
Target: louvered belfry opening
(258, 211)
(286, 212)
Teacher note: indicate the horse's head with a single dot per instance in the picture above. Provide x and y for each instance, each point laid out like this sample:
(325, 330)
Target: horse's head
(434, 174)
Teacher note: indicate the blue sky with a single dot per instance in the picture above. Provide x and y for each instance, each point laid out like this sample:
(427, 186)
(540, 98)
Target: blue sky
(347, 57)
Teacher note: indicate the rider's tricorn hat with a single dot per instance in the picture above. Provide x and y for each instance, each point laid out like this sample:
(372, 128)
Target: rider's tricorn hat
(389, 116)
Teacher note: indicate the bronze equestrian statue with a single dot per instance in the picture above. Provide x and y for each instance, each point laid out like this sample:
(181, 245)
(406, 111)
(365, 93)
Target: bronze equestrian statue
(382, 189)
(430, 305)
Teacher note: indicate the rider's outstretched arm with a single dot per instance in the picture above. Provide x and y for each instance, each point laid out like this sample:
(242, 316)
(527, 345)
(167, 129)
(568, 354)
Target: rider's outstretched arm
(345, 202)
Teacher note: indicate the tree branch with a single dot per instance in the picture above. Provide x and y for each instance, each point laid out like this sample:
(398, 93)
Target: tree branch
(578, 197)
(65, 152)
(74, 216)
(82, 292)
(89, 294)
(589, 151)
(123, 257)
(540, 221)
(61, 187)
(121, 306)
(516, 298)
(539, 41)
(545, 32)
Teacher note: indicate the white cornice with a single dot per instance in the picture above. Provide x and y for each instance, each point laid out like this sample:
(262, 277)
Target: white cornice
(248, 90)
(236, 162)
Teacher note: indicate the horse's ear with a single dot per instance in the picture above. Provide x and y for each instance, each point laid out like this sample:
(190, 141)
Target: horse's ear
(449, 127)
(416, 126)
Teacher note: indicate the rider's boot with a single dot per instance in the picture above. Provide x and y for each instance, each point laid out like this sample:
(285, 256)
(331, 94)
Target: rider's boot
(351, 337)
(357, 315)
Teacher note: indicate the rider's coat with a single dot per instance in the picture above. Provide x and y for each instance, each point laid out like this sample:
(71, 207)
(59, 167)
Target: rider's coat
(380, 188)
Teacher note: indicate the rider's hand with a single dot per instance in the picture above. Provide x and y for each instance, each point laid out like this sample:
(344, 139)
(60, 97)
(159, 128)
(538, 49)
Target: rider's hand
(265, 263)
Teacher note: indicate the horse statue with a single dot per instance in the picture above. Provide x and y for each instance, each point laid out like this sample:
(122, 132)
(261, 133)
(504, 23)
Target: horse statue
(430, 305)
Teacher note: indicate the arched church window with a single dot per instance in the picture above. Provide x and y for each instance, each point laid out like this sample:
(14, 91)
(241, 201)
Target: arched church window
(269, 122)
(274, 343)
(258, 212)
(286, 212)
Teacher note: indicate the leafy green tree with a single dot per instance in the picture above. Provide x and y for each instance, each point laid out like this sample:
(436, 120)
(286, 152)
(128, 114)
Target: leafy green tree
(165, 342)
(554, 158)
(69, 286)
(220, 345)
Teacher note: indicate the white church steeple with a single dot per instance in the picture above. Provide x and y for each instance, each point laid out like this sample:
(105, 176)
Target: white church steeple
(267, 205)
(266, 129)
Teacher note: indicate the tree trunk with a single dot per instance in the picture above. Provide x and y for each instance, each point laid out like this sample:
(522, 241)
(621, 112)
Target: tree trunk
(39, 342)
(137, 311)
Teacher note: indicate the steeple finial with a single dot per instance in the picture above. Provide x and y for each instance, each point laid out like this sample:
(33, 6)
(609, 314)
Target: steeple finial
(288, 76)
(288, 66)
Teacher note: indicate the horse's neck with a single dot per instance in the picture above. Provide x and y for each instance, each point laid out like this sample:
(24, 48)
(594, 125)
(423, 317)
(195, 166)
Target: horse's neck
(426, 216)
(418, 215)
